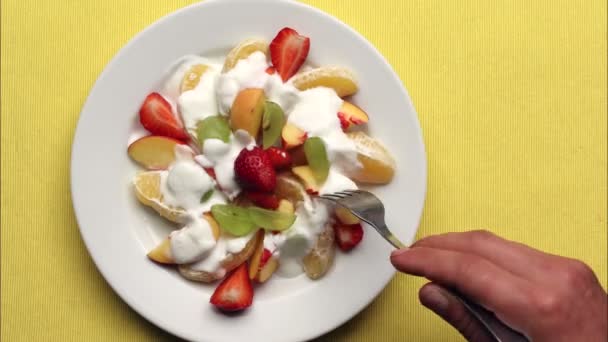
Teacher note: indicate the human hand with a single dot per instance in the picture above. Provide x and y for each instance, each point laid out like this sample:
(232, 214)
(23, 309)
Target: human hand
(544, 296)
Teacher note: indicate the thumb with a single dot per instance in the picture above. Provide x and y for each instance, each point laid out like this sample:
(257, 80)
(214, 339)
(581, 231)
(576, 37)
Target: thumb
(446, 306)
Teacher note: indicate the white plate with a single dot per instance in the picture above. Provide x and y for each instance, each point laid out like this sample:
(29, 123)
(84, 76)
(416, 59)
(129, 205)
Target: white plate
(118, 232)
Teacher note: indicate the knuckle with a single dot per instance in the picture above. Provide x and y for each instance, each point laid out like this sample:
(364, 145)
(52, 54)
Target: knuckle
(481, 236)
(575, 274)
(547, 303)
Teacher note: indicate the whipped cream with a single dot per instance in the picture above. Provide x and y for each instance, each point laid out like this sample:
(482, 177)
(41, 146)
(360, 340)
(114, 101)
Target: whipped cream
(221, 156)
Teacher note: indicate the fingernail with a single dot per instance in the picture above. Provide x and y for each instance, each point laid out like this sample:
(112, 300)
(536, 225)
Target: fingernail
(398, 252)
(436, 300)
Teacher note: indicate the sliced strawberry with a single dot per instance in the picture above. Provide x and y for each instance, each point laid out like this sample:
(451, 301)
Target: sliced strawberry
(235, 292)
(348, 236)
(279, 158)
(343, 121)
(157, 117)
(263, 199)
(254, 170)
(266, 254)
(211, 172)
(288, 51)
(271, 70)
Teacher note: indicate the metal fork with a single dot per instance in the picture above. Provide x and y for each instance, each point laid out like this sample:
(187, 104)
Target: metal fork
(370, 209)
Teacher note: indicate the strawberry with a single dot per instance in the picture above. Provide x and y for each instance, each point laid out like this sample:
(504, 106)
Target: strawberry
(266, 254)
(348, 236)
(211, 172)
(288, 50)
(262, 199)
(279, 158)
(157, 117)
(271, 70)
(235, 292)
(254, 170)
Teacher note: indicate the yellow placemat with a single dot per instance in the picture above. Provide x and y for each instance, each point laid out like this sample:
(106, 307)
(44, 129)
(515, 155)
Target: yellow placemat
(511, 97)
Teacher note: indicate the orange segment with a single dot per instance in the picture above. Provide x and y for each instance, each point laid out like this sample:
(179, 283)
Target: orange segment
(243, 50)
(193, 76)
(147, 190)
(378, 166)
(319, 259)
(338, 78)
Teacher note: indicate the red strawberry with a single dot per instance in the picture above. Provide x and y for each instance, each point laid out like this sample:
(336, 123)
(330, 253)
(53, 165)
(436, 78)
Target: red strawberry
(348, 235)
(266, 254)
(262, 199)
(254, 170)
(288, 50)
(157, 117)
(271, 70)
(235, 292)
(211, 172)
(279, 158)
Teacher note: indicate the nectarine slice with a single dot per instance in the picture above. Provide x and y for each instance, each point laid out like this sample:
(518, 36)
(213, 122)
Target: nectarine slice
(153, 152)
(247, 110)
(292, 136)
(350, 115)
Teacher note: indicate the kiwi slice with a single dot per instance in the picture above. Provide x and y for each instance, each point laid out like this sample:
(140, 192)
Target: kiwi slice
(272, 124)
(316, 155)
(213, 127)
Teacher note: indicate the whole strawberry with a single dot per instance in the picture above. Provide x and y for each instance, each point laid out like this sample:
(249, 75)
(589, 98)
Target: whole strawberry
(254, 170)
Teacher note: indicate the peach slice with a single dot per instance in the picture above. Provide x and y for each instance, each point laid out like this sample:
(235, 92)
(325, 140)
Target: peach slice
(153, 152)
(307, 177)
(256, 257)
(192, 77)
(292, 136)
(338, 78)
(350, 115)
(147, 190)
(285, 206)
(266, 272)
(231, 262)
(247, 110)
(345, 216)
(378, 165)
(319, 259)
(162, 253)
(243, 50)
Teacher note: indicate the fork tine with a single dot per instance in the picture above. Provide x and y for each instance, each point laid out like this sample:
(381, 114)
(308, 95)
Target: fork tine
(331, 197)
(346, 193)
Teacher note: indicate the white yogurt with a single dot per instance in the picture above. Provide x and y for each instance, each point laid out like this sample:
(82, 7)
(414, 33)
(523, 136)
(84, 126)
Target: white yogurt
(190, 243)
(225, 246)
(293, 244)
(199, 103)
(316, 114)
(250, 72)
(221, 156)
(336, 182)
(184, 185)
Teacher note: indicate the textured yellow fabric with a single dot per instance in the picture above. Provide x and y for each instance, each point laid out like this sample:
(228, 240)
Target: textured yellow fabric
(511, 96)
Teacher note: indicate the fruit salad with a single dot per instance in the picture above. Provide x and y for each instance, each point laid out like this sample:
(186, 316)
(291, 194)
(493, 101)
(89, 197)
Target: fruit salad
(236, 152)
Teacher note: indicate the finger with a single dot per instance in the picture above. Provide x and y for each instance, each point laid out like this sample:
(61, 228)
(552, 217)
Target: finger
(517, 258)
(489, 285)
(446, 306)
